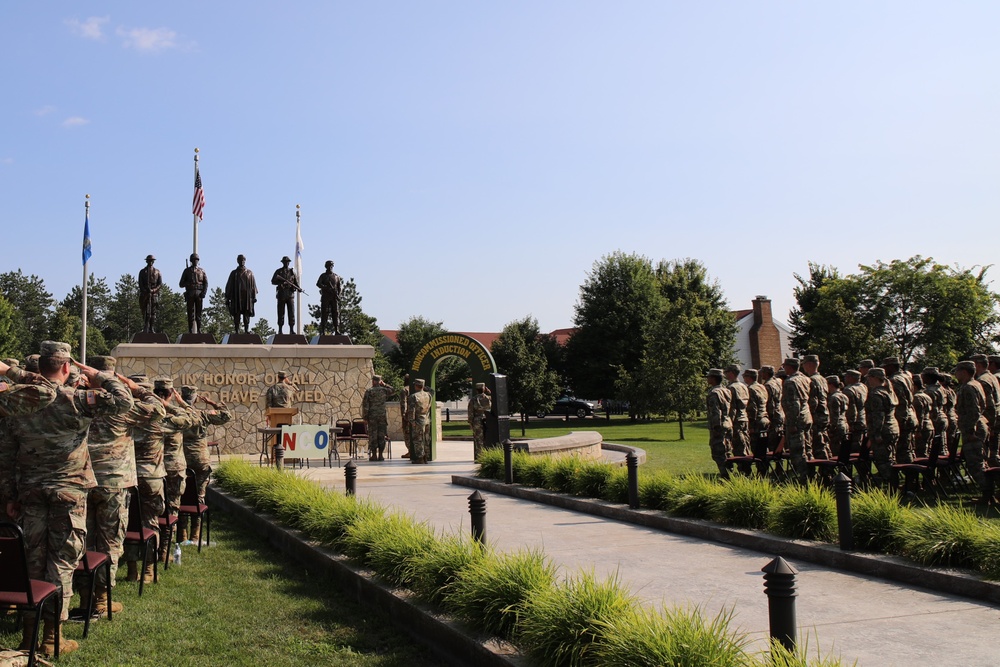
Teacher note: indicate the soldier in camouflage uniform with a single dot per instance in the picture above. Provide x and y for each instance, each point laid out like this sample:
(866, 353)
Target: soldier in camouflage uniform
(376, 421)
(923, 437)
(720, 423)
(282, 393)
(739, 397)
(418, 413)
(991, 389)
(901, 384)
(883, 429)
(818, 407)
(174, 461)
(23, 399)
(480, 405)
(196, 451)
(938, 397)
(970, 406)
(798, 418)
(404, 397)
(45, 465)
(948, 384)
(112, 453)
(838, 404)
(757, 413)
(775, 416)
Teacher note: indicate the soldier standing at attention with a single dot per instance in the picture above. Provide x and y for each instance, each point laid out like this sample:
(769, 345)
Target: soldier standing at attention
(480, 405)
(196, 451)
(287, 284)
(857, 393)
(418, 413)
(818, 407)
(991, 389)
(720, 423)
(838, 404)
(883, 429)
(776, 418)
(948, 383)
(281, 394)
(901, 384)
(195, 284)
(45, 465)
(740, 396)
(864, 366)
(150, 282)
(798, 419)
(757, 416)
(330, 286)
(376, 421)
(404, 397)
(970, 405)
(938, 404)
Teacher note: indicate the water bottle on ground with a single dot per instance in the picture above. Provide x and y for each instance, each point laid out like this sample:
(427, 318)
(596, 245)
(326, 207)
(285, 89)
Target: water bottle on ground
(177, 554)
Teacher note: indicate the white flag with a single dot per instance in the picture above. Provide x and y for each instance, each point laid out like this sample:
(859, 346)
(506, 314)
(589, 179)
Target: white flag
(298, 250)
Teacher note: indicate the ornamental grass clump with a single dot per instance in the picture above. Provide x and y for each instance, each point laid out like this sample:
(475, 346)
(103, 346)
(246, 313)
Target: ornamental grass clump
(562, 473)
(563, 623)
(744, 502)
(592, 479)
(532, 470)
(616, 490)
(804, 512)
(328, 520)
(492, 592)
(392, 551)
(683, 637)
(490, 463)
(694, 496)
(433, 574)
(655, 491)
(878, 521)
(947, 536)
(361, 537)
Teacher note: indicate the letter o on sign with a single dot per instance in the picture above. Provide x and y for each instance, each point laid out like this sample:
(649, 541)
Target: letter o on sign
(322, 439)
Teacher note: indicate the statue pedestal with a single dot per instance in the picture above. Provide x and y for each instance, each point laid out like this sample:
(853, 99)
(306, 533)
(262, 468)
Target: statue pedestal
(145, 338)
(195, 339)
(330, 339)
(242, 339)
(287, 339)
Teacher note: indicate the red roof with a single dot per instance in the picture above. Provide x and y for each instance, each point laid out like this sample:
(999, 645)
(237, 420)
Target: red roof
(740, 314)
(485, 337)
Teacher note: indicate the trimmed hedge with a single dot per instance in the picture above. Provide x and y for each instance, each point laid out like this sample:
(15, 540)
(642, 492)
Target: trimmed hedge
(578, 621)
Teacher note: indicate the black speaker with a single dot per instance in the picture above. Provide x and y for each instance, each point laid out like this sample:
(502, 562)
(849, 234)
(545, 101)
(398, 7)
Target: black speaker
(498, 421)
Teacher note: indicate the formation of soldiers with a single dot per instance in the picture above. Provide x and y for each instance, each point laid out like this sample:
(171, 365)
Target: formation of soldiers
(884, 413)
(415, 408)
(74, 439)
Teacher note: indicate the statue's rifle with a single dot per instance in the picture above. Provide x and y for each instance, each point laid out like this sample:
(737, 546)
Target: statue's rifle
(293, 285)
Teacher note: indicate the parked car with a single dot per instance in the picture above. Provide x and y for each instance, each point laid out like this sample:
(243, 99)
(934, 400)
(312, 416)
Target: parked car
(567, 405)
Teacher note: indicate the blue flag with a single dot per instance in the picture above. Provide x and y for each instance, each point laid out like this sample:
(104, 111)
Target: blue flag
(87, 252)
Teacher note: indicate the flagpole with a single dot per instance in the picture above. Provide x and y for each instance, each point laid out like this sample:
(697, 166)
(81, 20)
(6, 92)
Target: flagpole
(195, 215)
(298, 269)
(83, 332)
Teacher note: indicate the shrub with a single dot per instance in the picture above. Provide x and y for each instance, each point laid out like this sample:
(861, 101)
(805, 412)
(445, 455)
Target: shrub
(560, 475)
(491, 592)
(361, 538)
(532, 470)
(490, 463)
(561, 624)
(948, 537)
(592, 479)
(804, 512)
(392, 552)
(744, 502)
(655, 491)
(616, 490)
(328, 520)
(694, 496)
(433, 574)
(877, 521)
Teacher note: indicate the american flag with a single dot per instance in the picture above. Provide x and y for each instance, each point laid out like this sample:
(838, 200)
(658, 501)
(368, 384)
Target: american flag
(198, 206)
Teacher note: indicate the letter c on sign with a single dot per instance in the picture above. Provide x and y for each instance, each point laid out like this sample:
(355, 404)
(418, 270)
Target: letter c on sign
(322, 439)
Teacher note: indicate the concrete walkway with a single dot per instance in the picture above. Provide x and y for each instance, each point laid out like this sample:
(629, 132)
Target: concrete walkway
(860, 618)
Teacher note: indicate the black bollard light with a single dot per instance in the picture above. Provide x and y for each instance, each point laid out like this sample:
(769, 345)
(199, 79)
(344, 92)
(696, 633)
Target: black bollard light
(632, 463)
(779, 587)
(279, 453)
(477, 509)
(843, 489)
(351, 478)
(508, 461)
(447, 414)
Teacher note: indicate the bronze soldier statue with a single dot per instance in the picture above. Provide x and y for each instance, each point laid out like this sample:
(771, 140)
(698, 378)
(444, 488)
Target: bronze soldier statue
(150, 282)
(330, 286)
(241, 294)
(195, 284)
(287, 284)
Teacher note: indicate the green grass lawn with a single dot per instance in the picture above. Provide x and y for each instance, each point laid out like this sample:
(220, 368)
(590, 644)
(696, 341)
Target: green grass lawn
(661, 440)
(239, 602)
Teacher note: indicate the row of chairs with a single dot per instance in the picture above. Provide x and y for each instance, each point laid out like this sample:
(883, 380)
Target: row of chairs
(351, 433)
(17, 589)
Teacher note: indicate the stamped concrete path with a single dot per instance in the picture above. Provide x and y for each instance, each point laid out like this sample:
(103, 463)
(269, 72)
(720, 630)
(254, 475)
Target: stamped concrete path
(875, 622)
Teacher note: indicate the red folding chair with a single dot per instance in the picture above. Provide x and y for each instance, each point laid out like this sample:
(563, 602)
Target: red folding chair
(18, 589)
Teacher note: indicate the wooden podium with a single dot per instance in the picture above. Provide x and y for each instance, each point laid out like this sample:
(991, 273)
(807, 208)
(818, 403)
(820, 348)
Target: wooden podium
(276, 418)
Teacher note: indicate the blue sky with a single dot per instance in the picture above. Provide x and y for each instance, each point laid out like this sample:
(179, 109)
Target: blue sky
(469, 162)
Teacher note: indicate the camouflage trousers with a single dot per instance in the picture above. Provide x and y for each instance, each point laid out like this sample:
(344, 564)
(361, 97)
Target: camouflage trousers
(904, 446)
(884, 456)
(478, 437)
(420, 441)
(800, 448)
(922, 442)
(820, 442)
(741, 439)
(406, 433)
(718, 441)
(973, 451)
(377, 430)
(198, 461)
(994, 447)
(107, 519)
(774, 433)
(151, 508)
(55, 535)
(839, 441)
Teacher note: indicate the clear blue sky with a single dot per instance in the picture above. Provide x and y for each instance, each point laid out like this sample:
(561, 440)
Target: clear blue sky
(469, 162)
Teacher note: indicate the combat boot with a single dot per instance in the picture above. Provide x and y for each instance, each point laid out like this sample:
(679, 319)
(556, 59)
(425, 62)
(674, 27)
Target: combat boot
(84, 608)
(133, 571)
(148, 574)
(28, 632)
(182, 533)
(50, 631)
(101, 605)
(196, 530)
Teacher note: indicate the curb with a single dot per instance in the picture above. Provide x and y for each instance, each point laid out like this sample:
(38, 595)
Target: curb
(446, 638)
(893, 568)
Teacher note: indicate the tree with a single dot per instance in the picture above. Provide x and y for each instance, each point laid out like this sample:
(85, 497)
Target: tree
(8, 325)
(452, 374)
(263, 328)
(98, 302)
(32, 304)
(688, 291)
(173, 313)
(519, 352)
(215, 317)
(124, 318)
(617, 302)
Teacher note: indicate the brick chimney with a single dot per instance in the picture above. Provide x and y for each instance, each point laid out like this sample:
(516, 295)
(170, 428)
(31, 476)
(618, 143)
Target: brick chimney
(765, 343)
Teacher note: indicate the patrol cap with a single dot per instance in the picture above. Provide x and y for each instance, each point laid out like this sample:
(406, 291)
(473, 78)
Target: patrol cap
(791, 362)
(241, 258)
(781, 373)
(480, 385)
(376, 378)
(163, 383)
(55, 350)
(31, 363)
(150, 258)
(419, 382)
(767, 369)
(11, 361)
(946, 378)
(877, 373)
(329, 263)
(856, 375)
(890, 361)
(102, 363)
(285, 259)
(994, 358)
(810, 358)
(142, 380)
(866, 363)
(733, 368)
(189, 392)
(750, 372)
(714, 373)
(833, 379)
(979, 358)
(282, 375)
(931, 370)
(968, 366)
(194, 256)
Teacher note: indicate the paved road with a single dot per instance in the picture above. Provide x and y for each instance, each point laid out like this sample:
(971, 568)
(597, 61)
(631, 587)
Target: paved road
(875, 622)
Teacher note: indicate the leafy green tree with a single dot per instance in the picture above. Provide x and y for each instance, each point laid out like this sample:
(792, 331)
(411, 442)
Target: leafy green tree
(617, 302)
(452, 374)
(32, 306)
(173, 313)
(8, 325)
(689, 292)
(263, 328)
(98, 302)
(124, 318)
(519, 352)
(215, 317)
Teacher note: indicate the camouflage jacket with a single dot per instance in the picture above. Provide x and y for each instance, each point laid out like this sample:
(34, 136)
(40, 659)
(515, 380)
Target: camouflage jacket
(149, 437)
(939, 406)
(795, 402)
(970, 405)
(173, 438)
(951, 399)
(418, 407)
(902, 387)
(280, 395)
(404, 397)
(479, 405)
(23, 399)
(757, 408)
(739, 397)
(991, 390)
(774, 411)
(718, 403)
(856, 394)
(818, 407)
(373, 403)
(838, 403)
(880, 410)
(923, 406)
(48, 448)
(197, 434)
(112, 450)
